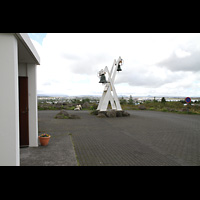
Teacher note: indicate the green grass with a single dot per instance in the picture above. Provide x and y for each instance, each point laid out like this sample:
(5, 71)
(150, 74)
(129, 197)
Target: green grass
(174, 107)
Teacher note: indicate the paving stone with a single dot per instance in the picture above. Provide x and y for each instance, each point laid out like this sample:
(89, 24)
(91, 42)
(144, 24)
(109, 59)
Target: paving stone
(145, 138)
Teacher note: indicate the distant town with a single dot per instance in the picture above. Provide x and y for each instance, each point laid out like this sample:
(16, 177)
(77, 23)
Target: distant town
(95, 99)
(164, 104)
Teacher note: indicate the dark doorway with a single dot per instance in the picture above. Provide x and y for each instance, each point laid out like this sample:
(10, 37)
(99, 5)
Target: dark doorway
(23, 112)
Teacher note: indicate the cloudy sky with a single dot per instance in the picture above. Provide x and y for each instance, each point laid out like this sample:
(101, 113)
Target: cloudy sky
(156, 64)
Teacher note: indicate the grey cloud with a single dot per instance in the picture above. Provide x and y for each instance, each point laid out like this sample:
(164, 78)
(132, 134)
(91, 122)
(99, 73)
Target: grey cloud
(188, 63)
(143, 80)
(148, 79)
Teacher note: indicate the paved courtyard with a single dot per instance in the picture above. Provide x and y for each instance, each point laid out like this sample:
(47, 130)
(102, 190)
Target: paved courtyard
(146, 138)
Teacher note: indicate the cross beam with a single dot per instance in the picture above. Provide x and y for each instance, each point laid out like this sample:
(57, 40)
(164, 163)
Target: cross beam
(109, 93)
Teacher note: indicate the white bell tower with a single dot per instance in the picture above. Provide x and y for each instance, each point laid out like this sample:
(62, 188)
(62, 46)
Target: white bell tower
(109, 93)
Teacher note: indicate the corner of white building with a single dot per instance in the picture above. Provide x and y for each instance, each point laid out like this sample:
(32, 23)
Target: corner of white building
(18, 58)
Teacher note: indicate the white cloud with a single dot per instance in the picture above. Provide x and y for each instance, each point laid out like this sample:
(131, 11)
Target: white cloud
(154, 64)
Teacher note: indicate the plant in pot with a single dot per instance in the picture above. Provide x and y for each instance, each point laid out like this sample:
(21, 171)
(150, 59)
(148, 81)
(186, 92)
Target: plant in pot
(44, 139)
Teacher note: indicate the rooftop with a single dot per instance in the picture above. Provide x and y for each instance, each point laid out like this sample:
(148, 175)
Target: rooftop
(27, 52)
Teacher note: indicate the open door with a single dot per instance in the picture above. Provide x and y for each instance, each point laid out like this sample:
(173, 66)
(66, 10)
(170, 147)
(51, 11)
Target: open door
(23, 112)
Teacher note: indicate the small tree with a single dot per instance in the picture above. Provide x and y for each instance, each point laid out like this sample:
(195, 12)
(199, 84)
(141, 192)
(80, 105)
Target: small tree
(130, 101)
(122, 101)
(154, 99)
(86, 100)
(163, 100)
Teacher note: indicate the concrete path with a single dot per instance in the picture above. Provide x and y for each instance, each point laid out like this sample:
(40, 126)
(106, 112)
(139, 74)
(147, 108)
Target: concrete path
(146, 138)
(60, 150)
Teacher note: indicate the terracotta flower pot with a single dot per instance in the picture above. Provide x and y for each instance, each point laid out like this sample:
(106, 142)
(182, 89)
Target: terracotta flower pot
(44, 140)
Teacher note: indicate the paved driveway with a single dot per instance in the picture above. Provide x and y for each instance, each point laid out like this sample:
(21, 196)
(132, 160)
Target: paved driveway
(146, 138)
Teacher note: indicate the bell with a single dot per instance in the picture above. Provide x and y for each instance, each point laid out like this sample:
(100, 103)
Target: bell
(103, 79)
(119, 68)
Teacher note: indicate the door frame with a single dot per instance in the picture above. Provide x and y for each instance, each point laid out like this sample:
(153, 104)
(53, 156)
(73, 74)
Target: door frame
(23, 112)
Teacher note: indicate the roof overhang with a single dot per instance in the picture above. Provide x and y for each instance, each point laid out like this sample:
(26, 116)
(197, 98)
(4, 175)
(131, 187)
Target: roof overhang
(26, 50)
